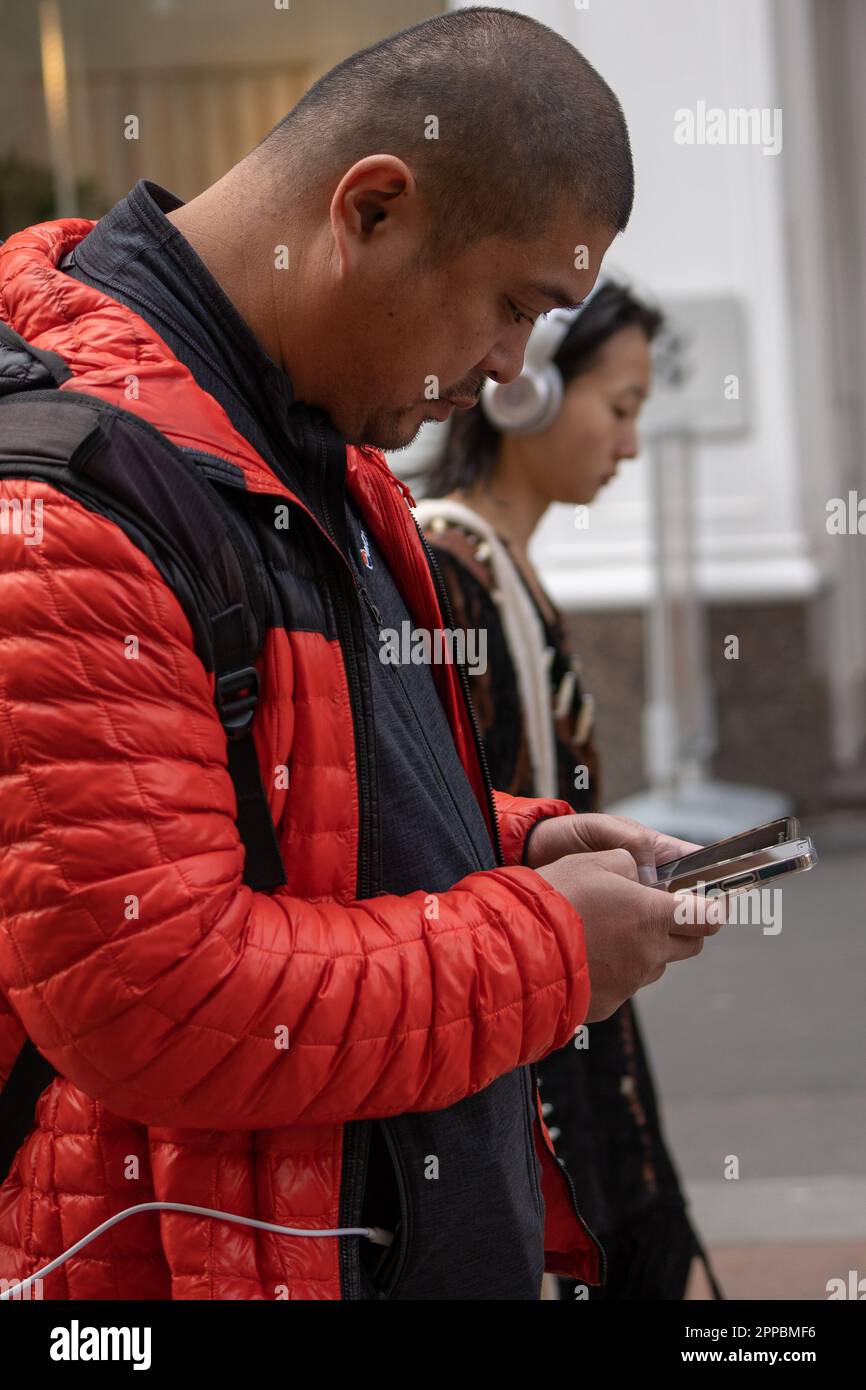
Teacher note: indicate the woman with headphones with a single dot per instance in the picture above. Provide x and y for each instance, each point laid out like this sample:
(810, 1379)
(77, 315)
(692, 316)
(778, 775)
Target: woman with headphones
(557, 434)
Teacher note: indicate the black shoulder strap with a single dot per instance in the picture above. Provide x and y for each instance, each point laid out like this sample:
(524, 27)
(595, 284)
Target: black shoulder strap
(161, 498)
(165, 501)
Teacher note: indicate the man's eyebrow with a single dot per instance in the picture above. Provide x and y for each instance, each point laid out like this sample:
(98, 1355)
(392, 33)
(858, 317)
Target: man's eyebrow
(560, 297)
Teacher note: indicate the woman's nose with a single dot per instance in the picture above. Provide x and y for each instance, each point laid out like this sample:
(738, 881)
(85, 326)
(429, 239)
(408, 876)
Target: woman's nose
(628, 445)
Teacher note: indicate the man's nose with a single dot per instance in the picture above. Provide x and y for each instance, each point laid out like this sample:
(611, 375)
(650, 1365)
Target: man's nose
(504, 362)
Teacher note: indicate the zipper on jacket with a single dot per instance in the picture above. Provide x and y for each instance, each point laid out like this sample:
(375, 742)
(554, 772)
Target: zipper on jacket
(530, 1111)
(351, 642)
(356, 1133)
(371, 607)
(533, 1067)
(355, 1149)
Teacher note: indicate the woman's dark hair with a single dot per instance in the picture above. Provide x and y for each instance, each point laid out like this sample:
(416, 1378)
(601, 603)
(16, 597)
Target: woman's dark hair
(472, 442)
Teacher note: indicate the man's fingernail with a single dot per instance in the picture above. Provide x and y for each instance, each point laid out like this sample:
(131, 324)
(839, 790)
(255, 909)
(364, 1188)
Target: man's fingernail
(646, 874)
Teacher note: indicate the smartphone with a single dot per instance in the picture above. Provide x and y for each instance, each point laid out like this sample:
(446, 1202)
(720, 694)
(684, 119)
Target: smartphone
(747, 860)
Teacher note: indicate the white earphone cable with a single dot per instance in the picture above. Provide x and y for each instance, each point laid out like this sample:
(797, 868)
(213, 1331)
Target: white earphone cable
(372, 1233)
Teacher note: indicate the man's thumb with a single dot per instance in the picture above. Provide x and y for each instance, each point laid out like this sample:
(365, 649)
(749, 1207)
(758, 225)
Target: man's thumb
(616, 861)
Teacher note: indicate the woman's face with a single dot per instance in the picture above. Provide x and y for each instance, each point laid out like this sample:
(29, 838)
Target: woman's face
(596, 426)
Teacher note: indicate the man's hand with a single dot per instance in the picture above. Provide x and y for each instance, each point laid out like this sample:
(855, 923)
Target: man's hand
(631, 932)
(560, 835)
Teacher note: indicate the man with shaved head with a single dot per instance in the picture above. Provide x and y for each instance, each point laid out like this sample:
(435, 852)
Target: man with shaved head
(436, 193)
(345, 1052)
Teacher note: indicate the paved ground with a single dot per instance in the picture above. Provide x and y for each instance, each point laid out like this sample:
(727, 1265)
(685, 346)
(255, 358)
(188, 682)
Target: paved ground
(785, 1270)
(759, 1048)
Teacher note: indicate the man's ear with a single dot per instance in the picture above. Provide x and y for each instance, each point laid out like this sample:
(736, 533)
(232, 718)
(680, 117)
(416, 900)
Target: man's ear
(363, 199)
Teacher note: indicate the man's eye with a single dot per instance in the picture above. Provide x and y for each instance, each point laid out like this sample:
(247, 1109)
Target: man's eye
(518, 314)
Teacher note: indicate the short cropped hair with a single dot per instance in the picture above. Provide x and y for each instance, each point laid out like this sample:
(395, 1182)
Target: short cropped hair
(524, 120)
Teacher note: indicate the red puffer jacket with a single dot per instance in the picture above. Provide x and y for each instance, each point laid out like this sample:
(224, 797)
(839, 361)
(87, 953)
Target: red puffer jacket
(113, 782)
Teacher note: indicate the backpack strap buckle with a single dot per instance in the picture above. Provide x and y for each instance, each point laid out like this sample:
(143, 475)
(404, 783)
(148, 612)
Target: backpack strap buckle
(236, 696)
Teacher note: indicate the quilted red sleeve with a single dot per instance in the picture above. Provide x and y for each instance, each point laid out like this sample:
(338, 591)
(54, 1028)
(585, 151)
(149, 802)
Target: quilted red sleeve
(518, 814)
(135, 957)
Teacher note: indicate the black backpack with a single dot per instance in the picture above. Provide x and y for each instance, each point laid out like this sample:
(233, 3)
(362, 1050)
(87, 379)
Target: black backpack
(175, 504)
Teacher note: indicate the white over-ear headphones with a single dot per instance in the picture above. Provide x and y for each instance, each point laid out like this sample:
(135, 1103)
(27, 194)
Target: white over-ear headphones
(531, 402)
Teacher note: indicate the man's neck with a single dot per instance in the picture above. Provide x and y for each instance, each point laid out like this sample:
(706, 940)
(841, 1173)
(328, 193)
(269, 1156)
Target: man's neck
(239, 247)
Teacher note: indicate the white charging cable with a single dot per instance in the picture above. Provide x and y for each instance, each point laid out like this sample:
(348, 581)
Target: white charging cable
(372, 1233)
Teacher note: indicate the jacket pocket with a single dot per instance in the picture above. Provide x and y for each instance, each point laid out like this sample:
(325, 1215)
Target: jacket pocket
(391, 1269)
